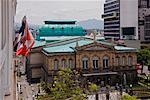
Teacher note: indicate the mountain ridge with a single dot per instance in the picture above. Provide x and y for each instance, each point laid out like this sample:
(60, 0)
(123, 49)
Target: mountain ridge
(92, 24)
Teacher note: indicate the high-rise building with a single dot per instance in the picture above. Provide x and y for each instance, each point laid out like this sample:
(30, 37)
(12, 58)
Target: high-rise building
(144, 20)
(121, 19)
(7, 12)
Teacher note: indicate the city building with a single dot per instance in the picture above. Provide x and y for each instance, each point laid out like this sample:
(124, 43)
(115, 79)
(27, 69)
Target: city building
(121, 19)
(97, 60)
(53, 31)
(144, 21)
(7, 85)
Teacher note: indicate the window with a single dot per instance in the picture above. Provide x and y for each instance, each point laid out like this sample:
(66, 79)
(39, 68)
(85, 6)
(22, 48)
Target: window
(147, 26)
(123, 60)
(117, 61)
(63, 63)
(85, 62)
(143, 3)
(70, 63)
(95, 62)
(105, 61)
(130, 60)
(56, 64)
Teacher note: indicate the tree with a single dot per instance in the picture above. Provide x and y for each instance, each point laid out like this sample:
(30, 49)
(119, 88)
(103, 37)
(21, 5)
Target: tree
(128, 97)
(65, 85)
(143, 57)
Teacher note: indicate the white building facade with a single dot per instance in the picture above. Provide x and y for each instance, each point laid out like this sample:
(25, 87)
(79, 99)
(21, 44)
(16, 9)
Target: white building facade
(7, 12)
(129, 19)
(121, 19)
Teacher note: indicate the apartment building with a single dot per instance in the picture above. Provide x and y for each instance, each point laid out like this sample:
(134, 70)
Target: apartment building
(144, 20)
(121, 19)
(7, 12)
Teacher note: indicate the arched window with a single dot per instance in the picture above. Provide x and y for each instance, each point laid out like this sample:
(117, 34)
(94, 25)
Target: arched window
(56, 62)
(105, 61)
(95, 62)
(70, 63)
(123, 60)
(85, 62)
(117, 61)
(130, 60)
(63, 63)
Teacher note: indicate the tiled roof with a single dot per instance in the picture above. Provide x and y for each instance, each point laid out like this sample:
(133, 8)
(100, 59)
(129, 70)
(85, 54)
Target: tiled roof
(38, 43)
(57, 38)
(67, 44)
(66, 47)
(44, 40)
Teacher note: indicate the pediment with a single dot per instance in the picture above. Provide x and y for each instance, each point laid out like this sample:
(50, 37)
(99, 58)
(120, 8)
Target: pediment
(94, 46)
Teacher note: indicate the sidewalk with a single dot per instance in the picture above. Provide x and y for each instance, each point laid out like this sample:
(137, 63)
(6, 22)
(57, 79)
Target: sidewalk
(27, 92)
(12, 88)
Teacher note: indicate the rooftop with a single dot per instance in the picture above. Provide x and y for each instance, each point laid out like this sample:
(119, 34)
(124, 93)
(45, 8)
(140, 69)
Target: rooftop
(54, 39)
(68, 45)
(49, 30)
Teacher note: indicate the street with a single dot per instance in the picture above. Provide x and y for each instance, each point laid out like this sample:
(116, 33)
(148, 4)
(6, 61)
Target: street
(26, 91)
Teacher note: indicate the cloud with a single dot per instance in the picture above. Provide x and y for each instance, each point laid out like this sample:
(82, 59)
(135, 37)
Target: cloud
(60, 0)
(37, 12)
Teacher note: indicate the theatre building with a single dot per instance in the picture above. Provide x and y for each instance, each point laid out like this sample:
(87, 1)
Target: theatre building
(98, 61)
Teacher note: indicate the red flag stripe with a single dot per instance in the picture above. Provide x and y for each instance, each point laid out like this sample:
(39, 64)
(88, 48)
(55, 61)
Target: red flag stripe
(27, 42)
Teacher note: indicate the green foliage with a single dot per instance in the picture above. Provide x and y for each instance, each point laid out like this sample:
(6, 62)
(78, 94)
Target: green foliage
(65, 85)
(93, 87)
(128, 97)
(144, 55)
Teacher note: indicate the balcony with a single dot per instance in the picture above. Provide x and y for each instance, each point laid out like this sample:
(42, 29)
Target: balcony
(124, 68)
(92, 70)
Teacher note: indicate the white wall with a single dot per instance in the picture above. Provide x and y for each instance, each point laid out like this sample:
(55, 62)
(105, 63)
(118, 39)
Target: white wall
(6, 53)
(129, 15)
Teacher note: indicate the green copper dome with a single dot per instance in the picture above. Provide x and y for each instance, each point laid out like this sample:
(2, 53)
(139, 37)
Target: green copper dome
(60, 29)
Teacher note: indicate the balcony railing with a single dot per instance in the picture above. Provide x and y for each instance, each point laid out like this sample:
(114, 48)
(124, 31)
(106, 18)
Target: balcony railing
(123, 67)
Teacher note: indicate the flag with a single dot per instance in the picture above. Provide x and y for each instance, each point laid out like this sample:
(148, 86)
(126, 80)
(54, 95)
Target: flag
(25, 40)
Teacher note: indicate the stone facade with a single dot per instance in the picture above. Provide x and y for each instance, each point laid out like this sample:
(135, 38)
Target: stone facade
(95, 61)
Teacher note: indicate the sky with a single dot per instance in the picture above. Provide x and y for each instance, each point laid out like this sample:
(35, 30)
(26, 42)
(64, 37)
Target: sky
(38, 11)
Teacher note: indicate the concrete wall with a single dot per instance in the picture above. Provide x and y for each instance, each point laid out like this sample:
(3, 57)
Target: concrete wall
(133, 43)
(36, 72)
(7, 12)
(129, 15)
(36, 58)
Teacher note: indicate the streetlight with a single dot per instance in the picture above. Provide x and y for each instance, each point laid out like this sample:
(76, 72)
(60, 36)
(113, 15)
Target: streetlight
(131, 92)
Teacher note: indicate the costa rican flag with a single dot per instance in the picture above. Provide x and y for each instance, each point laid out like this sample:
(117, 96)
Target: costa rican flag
(24, 40)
